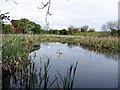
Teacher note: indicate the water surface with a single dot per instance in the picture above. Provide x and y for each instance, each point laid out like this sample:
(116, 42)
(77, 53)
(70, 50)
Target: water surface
(94, 70)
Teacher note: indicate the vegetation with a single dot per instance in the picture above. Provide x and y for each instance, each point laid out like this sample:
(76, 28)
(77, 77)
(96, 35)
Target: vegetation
(22, 26)
(7, 28)
(16, 48)
(26, 26)
(91, 30)
(113, 27)
(18, 65)
(68, 79)
(84, 28)
(19, 71)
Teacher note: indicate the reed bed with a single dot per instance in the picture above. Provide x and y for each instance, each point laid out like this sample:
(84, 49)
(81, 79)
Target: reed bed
(109, 43)
(17, 64)
(18, 69)
(16, 46)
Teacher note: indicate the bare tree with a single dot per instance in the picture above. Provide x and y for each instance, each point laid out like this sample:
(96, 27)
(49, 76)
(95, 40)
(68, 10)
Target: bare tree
(111, 25)
(84, 28)
(104, 27)
(12, 1)
(46, 5)
(5, 16)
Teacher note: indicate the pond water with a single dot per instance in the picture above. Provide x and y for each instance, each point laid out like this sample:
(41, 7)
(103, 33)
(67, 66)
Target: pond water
(94, 70)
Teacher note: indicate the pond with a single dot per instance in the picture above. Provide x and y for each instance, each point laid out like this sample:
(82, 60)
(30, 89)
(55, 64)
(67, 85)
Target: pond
(94, 70)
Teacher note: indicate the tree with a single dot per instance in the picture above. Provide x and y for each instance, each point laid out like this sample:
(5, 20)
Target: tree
(112, 26)
(51, 31)
(63, 32)
(21, 26)
(7, 29)
(73, 30)
(91, 30)
(55, 31)
(84, 28)
(25, 26)
(36, 28)
(104, 27)
(76, 30)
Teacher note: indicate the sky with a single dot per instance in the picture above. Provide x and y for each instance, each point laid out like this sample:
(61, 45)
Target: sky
(93, 13)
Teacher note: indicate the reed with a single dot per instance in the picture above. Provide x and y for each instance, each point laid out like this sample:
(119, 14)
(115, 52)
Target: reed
(68, 78)
(15, 61)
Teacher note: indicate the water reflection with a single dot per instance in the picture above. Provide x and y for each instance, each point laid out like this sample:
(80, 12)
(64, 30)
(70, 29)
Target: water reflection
(107, 53)
(96, 66)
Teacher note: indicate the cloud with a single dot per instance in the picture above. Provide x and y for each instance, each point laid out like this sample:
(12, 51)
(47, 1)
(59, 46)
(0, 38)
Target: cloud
(64, 13)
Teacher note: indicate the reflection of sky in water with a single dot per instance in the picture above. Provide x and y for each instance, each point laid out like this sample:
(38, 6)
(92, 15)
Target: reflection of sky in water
(94, 70)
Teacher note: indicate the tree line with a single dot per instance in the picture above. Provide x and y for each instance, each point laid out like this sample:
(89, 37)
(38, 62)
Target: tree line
(24, 26)
(71, 30)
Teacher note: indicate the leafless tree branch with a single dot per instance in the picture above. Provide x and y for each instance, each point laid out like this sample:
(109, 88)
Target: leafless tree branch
(48, 4)
(4, 16)
(12, 1)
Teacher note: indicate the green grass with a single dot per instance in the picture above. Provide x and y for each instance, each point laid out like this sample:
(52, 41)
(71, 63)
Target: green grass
(17, 64)
(98, 34)
(20, 45)
(16, 48)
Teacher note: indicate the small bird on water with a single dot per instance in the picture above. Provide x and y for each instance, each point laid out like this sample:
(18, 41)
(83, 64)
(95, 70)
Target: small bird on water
(59, 52)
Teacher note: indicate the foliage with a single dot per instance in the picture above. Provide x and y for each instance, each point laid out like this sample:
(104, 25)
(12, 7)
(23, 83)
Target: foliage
(63, 32)
(17, 64)
(68, 79)
(115, 32)
(18, 69)
(7, 28)
(91, 30)
(37, 28)
(53, 31)
(24, 26)
(112, 26)
(84, 28)
(58, 32)
(72, 30)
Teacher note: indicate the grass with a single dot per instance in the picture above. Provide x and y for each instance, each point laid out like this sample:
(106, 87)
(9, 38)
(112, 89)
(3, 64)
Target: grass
(68, 78)
(18, 66)
(16, 49)
(109, 43)
(98, 34)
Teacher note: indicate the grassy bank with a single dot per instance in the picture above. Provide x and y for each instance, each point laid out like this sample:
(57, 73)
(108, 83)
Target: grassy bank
(109, 43)
(95, 34)
(16, 63)
(19, 72)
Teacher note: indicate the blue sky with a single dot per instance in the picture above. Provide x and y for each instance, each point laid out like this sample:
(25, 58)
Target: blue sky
(64, 13)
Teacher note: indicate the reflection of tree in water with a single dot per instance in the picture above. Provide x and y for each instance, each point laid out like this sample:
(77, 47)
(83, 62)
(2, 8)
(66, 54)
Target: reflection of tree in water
(108, 53)
(71, 45)
(45, 43)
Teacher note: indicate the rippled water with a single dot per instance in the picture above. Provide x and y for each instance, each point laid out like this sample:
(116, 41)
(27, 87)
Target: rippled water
(94, 70)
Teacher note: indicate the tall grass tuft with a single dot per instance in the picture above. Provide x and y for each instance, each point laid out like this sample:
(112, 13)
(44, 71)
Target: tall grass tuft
(68, 78)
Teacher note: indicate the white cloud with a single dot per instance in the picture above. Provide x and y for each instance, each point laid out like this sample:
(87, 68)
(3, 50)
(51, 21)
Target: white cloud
(73, 12)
